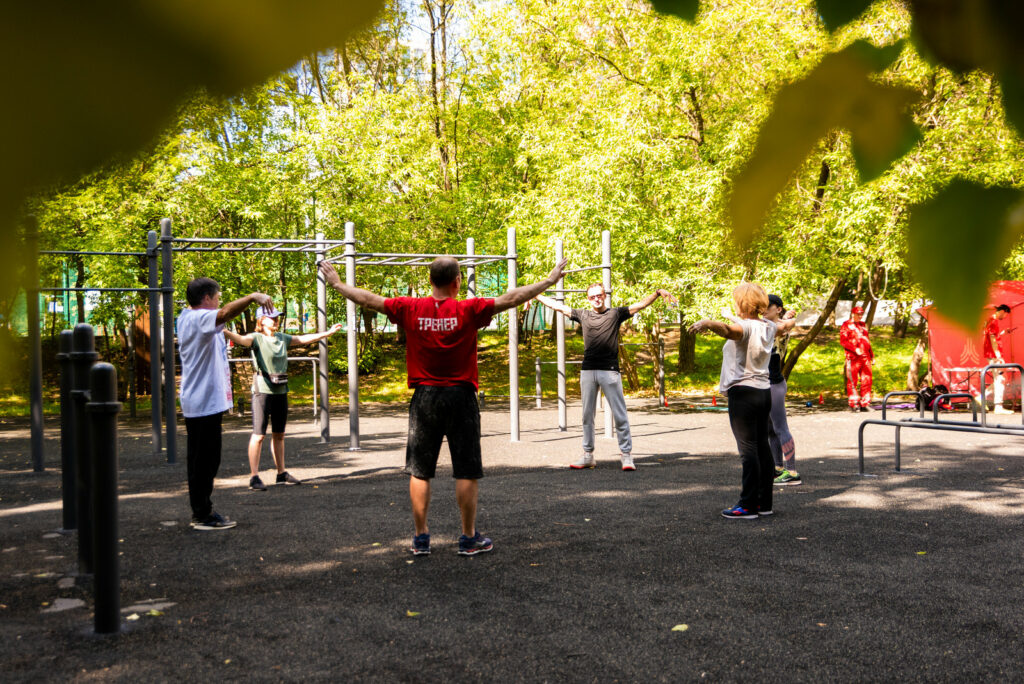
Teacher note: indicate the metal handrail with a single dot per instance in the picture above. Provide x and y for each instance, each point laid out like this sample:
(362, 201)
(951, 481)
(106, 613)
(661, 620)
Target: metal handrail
(984, 372)
(925, 426)
(900, 393)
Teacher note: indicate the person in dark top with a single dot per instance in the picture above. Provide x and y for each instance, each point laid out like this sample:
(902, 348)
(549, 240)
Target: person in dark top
(600, 367)
(780, 439)
(440, 357)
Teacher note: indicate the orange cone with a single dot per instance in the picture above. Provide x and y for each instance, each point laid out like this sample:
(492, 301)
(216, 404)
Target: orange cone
(714, 401)
(821, 399)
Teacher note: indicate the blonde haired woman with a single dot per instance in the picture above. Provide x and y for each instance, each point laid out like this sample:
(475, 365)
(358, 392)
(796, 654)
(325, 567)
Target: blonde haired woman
(744, 380)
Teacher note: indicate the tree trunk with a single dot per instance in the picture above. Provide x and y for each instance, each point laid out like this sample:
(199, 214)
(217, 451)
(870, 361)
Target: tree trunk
(628, 370)
(913, 373)
(687, 348)
(369, 316)
(653, 336)
(830, 305)
(79, 295)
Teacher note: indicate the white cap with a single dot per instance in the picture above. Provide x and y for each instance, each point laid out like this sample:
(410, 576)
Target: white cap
(269, 312)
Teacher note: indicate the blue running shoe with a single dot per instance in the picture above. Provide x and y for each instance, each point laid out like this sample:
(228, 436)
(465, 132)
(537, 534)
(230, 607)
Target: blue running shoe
(421, 544)
(739, 513)
(470, 546)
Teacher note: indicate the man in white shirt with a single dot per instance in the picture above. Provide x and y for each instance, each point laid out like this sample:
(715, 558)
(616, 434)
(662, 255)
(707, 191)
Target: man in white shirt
(206, 389)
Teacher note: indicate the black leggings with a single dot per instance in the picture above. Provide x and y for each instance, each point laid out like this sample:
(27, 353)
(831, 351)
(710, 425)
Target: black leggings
(749, 410)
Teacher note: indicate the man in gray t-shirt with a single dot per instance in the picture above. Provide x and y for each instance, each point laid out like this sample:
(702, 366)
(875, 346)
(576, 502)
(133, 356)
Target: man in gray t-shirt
(600, 367)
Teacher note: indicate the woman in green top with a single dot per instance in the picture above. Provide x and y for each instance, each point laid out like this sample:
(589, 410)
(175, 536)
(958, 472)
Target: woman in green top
(270, 389)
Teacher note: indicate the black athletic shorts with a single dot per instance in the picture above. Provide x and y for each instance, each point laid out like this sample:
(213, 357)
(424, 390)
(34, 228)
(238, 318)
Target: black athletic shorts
(438, 412)
(272, 408)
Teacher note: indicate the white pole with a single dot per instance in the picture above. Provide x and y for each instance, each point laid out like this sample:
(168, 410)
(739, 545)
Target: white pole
(353, 342)
(470, 270)
(606, 280)
(563, 423)
(321, 367)
(513, 344)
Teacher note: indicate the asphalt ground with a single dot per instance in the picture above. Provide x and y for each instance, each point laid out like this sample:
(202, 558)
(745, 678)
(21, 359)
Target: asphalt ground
(909, 576)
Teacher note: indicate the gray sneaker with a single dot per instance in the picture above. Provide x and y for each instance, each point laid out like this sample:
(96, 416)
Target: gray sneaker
(627, 462)
(586, 462)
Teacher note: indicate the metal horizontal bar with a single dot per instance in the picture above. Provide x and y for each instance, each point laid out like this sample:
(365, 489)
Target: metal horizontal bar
(585, 268)
(69, 252)
(247, 241)
(460, 257)
(101, 289)
(568, 363)
(312, 359)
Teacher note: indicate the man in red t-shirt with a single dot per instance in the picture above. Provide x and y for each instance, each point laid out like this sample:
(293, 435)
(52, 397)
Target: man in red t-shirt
(853, 336)
(441, 364)
(993, 347)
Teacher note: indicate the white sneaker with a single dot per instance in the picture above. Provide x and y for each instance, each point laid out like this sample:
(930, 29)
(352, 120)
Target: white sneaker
(1002, 410)
(627, 462)
(586, 462)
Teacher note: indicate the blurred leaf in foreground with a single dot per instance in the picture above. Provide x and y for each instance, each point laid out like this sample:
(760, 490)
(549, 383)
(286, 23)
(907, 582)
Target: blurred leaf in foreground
(836, 13)
(956, 242)
(684, 9)
(838, 93)
(965, 35)
(104, 77)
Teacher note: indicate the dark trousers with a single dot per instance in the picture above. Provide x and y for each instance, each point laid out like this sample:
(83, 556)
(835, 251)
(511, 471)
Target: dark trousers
(203, 461)
(749, 411)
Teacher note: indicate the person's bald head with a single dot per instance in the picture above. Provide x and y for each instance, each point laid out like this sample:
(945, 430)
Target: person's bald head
(444, 271)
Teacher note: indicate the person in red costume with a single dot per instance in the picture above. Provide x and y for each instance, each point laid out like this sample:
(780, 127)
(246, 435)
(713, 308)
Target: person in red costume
(994, 354)
(853, 335)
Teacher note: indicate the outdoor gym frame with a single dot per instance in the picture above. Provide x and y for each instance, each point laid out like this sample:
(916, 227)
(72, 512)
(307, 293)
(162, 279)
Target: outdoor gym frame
(166, 245)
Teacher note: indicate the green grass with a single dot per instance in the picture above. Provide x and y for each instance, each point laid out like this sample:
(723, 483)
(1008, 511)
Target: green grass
(820, 371)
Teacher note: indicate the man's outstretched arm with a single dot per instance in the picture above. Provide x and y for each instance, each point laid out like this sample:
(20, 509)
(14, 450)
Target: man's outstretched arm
(232, 309)
(364, 298)
(554, 305)
(649, 299)
(523, 294)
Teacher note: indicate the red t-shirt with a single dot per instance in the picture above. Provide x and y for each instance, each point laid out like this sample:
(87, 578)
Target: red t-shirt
(440, 337)
(992, 330)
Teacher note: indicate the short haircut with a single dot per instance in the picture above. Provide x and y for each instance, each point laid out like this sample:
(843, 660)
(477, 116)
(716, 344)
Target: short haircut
(444, 271)
(591, 286)
(1003, 307)
(199, 289)
(750, 299)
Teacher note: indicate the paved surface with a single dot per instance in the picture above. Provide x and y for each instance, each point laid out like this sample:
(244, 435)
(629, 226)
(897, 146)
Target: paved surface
(912, 576)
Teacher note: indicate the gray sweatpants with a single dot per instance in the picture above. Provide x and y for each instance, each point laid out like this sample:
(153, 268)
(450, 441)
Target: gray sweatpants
(610, 382)
(779, 437)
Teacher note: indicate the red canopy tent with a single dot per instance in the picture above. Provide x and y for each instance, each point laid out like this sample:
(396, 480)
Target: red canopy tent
(957, 356)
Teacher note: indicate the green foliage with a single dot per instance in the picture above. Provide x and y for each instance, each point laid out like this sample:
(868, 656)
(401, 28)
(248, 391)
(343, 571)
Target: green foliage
(937, 237)
(838, 93)
(371, 352)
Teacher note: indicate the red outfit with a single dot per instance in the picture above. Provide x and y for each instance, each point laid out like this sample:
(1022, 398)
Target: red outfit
(854, 338)
(992, 330)
(440, 337)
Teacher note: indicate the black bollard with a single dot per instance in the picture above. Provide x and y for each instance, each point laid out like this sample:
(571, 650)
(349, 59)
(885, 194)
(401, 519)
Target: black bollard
(103, 408)
(83, 356)
(67, 436)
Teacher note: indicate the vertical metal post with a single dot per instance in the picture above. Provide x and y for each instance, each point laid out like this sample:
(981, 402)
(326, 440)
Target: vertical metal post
(513, 343)
(67, 436)
(353, 339)
(130, 338)
(897, 448)
(606, 280)
(661, 373)
(470, 270)
(152, 251)
(103, 408)
(536, 372)
(563, 420)
(321, 326)
(83, 356)
(35, 344)
(170, 403)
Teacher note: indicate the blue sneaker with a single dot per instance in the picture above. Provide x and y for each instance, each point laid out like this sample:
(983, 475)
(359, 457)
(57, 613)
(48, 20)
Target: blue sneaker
(470, 546)
(421, 544)
(738, 512)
